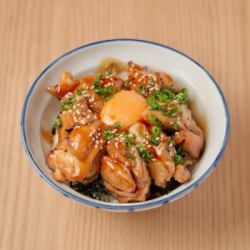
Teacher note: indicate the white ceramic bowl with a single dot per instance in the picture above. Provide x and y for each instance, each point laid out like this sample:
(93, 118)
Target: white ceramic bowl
(208, 102)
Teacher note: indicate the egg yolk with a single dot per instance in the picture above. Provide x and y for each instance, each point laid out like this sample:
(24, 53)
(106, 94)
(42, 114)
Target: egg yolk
(124, 107)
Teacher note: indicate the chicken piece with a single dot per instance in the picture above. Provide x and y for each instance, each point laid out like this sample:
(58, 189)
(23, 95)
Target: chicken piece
(117, 151)
(118, 82)
(67, 124)
(76, 157)
(78, 114)
(159, 173)
(165, 154)
(182, 174)
(117, 175)
(141, 77)
(163, 168)
(179, 137)
(110, 70)
(192, 137)
(124, 107)
(139, 130)
(188, 122)
(135, 67)
(65, 165)
(67, 84)
(165, 80)
(95, 165)
(80, 139)
(188, 160)
(193, 144)
(113, 80)
(127, 182)
(95, 101)
(97, 104)
(111, 66)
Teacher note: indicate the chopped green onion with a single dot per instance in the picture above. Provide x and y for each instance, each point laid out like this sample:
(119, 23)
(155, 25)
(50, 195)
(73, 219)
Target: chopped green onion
(182, 96)
(178, 159)
(57, 123)
(106, 92)
(144, 153)
(152, 103)
(155, 138)
(164, 95)
(79, 91)
(154, 120)
(175, 126)
(108, 134)
(156, 130)
(131, 156)
(130, 141)
(172, 112)
(98, 78)
(117, 125)
(180, 151)
(68, 103)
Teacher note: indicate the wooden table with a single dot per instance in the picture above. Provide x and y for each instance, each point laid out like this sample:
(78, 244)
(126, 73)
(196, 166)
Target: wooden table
(214, 32)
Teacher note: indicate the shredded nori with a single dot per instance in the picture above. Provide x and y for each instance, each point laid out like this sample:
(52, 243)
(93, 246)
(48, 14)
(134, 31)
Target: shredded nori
(95, 190)
(156, 192)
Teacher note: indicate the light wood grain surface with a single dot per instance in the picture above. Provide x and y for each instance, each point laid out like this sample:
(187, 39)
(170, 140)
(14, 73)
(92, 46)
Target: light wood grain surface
(214, 216)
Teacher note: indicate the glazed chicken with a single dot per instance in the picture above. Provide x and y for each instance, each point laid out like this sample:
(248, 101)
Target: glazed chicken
(124, 132)
(67, 83)
(127, 179)
(192, 137)
(77, 157)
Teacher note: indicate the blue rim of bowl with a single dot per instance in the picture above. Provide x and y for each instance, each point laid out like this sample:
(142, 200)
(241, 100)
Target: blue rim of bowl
(129, 206)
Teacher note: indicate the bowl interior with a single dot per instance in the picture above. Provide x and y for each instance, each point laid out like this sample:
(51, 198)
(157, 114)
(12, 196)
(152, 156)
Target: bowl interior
(40, 109)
